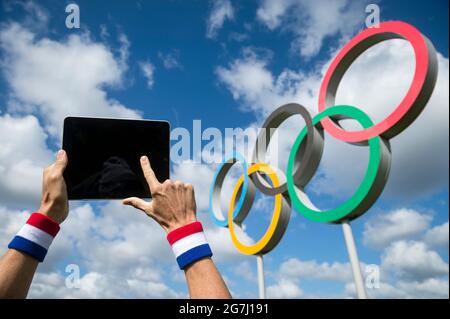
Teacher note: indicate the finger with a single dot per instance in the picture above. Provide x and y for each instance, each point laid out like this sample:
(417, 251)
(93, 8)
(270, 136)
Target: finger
(149, 174)
(61, 161)
(178, 185)
(137, 203)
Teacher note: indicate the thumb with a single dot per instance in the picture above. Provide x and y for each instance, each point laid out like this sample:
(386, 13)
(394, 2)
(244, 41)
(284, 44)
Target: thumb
(138, 203)
(61, 160)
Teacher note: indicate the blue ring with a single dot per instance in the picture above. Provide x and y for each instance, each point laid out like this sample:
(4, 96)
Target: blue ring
(227, 163)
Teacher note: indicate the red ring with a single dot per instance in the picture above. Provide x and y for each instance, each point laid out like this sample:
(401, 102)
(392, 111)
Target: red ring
(387, 127)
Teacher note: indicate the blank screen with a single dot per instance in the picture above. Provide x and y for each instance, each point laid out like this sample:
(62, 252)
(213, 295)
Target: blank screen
(104, 156)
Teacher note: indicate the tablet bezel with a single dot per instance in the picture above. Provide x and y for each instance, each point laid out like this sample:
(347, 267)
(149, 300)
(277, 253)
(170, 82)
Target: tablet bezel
(67, 129)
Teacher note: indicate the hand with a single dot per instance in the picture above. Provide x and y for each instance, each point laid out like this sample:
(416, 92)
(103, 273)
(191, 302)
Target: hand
(173, 203)
(54, 203)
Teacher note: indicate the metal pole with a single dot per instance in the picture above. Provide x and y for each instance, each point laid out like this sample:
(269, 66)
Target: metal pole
(261, 284)
(354, 261)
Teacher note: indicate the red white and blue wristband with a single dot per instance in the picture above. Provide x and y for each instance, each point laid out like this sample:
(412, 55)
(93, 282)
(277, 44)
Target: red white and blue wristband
(189, 244)
(35, 237)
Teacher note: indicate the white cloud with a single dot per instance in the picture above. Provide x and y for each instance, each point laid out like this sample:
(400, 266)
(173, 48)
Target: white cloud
(104, 33)
(271, 12)
(408, 269)
(438, 235)
(251, 83)
(246, 79)
(60, 78)
(238, 36)
(429, 288)
(312, 22)
(170, 60)
(125, 239)
(98, 285)
(12, 220)
(284, 289)
(432, 288)
(221, 11)
(23, 154)
(311, 269)
(36, 17)
(246, 270)
(400, 224)
(146, 289)
(148, 70)
(221, 244)
(200, 176)
(413, 260)
(293, 271)
(124, 50)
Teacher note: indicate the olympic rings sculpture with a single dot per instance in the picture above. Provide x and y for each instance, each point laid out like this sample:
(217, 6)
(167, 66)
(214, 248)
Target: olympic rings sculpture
(308, 146)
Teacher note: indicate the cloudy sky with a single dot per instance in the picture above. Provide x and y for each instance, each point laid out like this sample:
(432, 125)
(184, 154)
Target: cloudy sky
(228, 64)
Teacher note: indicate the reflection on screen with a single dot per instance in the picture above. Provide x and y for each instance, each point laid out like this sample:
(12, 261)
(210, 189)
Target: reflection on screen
(115, 176)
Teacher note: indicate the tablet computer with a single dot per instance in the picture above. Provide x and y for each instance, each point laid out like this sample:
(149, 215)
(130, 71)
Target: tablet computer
(104, 156)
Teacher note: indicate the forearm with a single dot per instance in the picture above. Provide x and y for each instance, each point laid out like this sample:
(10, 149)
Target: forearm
(204, 281)
(173, 207)
(26, 250)
(16, 273)
(193, 255)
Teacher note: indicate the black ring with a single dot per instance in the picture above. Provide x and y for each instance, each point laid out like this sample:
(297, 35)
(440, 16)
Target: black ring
(308, 157)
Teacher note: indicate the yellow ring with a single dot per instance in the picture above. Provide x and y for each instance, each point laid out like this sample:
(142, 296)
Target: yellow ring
(264, 241)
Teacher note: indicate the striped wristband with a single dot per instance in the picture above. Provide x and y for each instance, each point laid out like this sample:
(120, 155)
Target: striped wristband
(35, 237)
(189, 244)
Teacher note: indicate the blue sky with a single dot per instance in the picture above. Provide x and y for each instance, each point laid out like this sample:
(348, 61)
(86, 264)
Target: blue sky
(256, 56)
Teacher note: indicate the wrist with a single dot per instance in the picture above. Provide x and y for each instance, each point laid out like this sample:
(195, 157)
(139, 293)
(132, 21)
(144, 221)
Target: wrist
(178, 224)
(35, 237)
(189, 244)
(58, 215)
(48, 215)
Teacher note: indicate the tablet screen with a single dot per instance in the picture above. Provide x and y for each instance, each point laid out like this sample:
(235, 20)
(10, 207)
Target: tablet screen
(104, 156)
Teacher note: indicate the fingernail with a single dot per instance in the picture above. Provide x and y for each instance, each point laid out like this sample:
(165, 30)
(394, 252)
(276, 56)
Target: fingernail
(60, 154)
(144, 158)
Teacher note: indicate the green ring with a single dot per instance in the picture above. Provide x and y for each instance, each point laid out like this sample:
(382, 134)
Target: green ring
(345, 210)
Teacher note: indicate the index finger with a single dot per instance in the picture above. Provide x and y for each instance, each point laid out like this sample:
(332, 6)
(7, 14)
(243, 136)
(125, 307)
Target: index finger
(149, 174)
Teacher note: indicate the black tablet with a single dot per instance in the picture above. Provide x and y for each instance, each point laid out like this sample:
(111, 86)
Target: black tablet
(104, 156)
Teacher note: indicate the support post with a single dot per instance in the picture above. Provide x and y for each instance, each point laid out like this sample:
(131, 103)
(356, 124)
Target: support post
(354, 261)
(261, 283)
